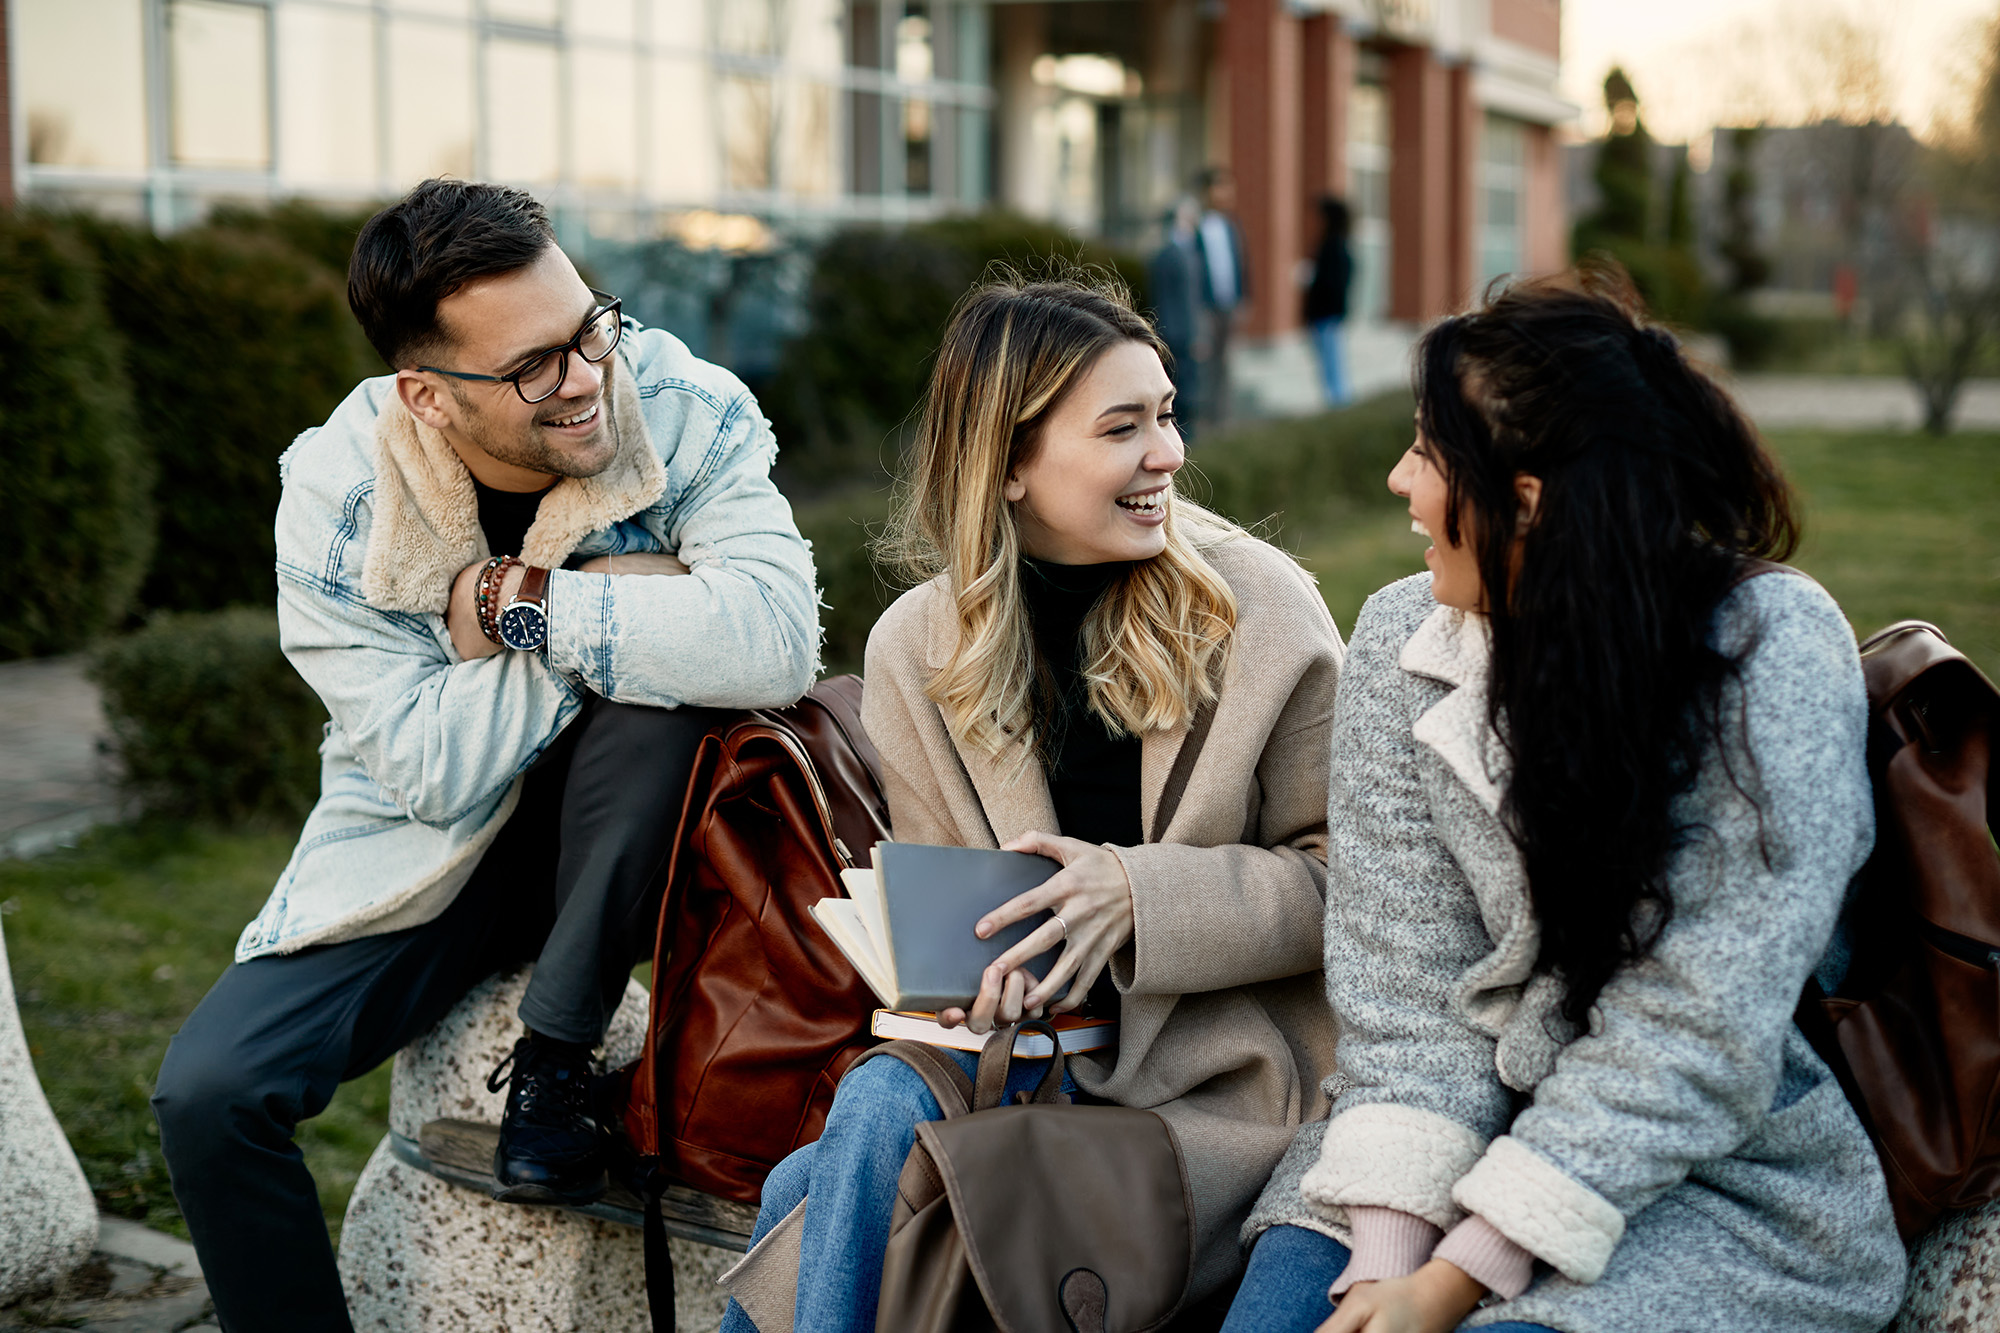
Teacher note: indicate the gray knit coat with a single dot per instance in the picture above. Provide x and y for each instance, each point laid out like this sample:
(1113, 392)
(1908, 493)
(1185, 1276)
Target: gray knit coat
(1687, 1162)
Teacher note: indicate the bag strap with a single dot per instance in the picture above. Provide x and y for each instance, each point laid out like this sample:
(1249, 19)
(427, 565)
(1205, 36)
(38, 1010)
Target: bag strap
(659, 1262)
(997, 1059)
(940, 1073)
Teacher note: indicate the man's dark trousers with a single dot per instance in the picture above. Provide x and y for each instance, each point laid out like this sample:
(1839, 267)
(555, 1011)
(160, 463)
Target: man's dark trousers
(571, 881)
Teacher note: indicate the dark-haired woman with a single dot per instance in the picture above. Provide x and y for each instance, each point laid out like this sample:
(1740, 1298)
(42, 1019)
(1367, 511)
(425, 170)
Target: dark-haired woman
(1596, 800)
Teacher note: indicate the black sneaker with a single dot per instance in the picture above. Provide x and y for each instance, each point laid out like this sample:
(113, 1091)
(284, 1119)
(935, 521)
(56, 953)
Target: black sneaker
(550, 1148)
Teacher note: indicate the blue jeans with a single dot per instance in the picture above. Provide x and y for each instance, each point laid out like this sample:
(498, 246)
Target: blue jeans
(1284, 1290)
(850, 1175)
(1332, 363)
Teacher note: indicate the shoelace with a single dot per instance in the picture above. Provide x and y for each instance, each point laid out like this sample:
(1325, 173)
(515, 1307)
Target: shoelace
(547, 1091)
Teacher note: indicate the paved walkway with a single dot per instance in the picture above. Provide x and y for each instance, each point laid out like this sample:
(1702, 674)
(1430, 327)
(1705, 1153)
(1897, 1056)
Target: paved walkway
(56, 780)
(1857, 402)
(138, 1281)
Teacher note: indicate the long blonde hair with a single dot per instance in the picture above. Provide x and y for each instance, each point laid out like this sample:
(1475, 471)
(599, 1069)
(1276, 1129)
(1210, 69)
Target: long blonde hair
(1156, 642)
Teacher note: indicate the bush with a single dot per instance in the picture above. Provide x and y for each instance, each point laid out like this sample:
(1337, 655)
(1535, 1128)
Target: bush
(79, 525)
(234, 341)
(209, 719)
(876, 307)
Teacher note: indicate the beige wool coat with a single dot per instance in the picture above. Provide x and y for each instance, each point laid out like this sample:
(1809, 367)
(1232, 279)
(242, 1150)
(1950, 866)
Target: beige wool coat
(1225, 1029)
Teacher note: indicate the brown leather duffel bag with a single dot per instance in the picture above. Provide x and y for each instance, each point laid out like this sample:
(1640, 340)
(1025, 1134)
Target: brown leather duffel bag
(1036, 1216)
(755, 1014)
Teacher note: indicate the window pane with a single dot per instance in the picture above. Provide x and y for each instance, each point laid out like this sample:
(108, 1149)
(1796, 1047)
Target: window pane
(746, 27)
(521, 83)
(813, 37)
(326, 75)
(806, 143)
(82, 67)
(684, 140)
(748, 120)
(681, 24)
(541, 13)
(604, 117)
(614, 20)
(430, 100)
(220, 85)
(455, 8)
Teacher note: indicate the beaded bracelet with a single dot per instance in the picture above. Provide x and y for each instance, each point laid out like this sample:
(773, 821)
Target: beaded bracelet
(488, 595)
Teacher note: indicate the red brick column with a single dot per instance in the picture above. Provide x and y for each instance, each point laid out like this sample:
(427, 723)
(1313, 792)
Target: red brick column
(1261, 50)
(1420, 185)
(6, 116)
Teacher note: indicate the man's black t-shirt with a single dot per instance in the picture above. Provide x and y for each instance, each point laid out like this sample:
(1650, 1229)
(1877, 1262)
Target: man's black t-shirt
(506, 516)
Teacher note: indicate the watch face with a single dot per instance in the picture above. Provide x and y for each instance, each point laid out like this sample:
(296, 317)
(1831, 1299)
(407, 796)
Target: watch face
(523, 627)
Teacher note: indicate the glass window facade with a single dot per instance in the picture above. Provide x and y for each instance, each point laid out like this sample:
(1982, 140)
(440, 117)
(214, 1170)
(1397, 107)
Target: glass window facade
(773, 107)
(1368, 164)
(1502, 186)
(81, 65)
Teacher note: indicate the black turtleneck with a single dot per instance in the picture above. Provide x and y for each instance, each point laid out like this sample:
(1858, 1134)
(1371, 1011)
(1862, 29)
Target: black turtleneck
(506, 516)
(1093, 774)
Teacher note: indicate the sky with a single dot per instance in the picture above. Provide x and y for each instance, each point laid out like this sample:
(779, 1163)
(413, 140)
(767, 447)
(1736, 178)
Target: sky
(1699, 63)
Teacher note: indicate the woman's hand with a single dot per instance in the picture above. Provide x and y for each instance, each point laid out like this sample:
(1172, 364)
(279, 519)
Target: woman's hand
(1431, 1300)
(1093, 898)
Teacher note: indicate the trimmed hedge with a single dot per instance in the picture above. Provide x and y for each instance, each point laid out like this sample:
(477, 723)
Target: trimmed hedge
(847, 388)
(209, 719)
(79, 524)
(234, 341)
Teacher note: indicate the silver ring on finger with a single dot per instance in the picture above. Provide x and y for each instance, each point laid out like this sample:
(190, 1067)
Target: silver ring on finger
(1060, 922)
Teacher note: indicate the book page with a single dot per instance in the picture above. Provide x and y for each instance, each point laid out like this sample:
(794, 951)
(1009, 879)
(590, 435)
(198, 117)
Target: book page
(865, 890)
(842, 922)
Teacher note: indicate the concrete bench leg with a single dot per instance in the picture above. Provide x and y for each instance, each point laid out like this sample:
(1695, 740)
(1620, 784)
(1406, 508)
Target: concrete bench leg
(1955, 1275)
(418, 1255)
(48, 1221)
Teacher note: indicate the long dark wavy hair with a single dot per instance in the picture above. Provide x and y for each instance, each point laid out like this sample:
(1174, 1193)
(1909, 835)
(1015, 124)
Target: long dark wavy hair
(1605, 687)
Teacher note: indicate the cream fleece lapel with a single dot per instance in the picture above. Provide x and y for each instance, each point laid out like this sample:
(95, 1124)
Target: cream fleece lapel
(426, 513)
(1018, 802)
(1455, 647)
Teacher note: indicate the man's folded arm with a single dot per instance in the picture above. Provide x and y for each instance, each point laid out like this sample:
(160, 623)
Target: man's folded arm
(740, 630)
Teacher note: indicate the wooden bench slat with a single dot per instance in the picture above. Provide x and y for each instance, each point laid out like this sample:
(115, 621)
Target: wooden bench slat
(461, 1153)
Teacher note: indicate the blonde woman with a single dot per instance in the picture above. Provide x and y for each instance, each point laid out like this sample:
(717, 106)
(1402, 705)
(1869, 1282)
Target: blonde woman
(1102, 672)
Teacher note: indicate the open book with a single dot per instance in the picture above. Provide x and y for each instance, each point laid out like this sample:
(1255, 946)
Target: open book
(1078, 1034)
(907, 924)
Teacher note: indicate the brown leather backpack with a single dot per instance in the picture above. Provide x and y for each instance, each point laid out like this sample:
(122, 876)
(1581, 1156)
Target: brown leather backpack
(755, 1014)
(1914, 1030)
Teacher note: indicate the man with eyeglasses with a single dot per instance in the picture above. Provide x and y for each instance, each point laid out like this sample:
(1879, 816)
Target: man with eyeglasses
(520, 572)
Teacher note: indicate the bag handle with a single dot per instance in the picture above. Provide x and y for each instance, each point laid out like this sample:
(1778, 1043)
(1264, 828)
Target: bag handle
(996, 1058)
(940, 1073)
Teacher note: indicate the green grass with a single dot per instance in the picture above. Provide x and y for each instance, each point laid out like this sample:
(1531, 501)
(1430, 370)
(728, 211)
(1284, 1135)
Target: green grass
(112, 944)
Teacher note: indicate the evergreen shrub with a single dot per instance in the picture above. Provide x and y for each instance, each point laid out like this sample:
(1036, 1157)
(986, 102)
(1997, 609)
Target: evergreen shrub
(235, 340)
(208, 718)
(848, 388)
(78, 529)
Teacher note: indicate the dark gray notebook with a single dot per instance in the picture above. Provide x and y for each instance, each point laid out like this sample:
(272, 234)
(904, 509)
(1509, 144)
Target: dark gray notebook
(933, 897)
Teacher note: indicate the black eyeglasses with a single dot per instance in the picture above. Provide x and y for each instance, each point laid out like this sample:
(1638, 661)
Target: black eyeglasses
(544, 372)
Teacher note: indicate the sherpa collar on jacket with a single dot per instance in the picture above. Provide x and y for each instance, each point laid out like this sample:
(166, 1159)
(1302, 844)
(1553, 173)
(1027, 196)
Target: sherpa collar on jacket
(426, 512)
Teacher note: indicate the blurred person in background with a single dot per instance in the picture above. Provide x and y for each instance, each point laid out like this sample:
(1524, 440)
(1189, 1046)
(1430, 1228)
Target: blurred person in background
(1174, 275)
(545, 509)
(1326, 299)
(1225, 285)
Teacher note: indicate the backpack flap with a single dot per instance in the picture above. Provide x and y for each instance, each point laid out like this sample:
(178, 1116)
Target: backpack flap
(1044, 1197)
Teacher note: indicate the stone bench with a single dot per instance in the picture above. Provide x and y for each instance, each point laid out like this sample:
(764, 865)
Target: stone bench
(424, 1249)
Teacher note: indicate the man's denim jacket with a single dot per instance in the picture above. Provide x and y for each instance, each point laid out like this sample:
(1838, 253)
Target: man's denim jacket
(424, 753)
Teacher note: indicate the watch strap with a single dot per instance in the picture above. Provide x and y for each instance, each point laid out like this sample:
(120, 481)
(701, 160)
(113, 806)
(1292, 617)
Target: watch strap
(534, 586)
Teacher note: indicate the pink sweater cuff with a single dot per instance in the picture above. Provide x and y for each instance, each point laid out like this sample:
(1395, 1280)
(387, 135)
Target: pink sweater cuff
(1476, 1247)
(1387, 1243)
